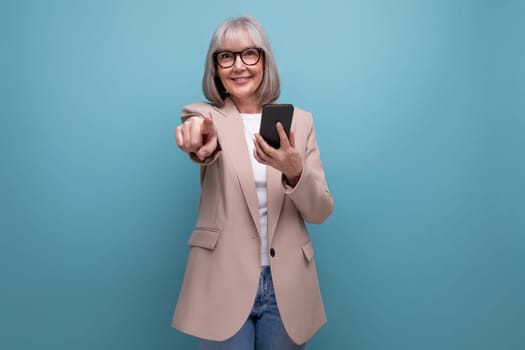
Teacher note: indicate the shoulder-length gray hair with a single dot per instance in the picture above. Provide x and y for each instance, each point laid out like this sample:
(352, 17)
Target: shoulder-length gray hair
(231, 30)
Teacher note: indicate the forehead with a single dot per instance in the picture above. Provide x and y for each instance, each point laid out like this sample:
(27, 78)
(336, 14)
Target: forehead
(236, 39)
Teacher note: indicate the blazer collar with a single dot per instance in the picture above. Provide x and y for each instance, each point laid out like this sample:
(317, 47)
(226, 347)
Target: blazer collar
(229, 108)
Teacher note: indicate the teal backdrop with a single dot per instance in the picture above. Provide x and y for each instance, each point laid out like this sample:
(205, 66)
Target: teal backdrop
(420, 115)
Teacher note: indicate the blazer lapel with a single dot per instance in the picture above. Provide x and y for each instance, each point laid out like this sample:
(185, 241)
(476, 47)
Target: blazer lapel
(233, 141)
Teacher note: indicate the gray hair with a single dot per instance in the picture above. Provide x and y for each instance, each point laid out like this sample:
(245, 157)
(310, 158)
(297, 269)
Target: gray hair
(231, 30)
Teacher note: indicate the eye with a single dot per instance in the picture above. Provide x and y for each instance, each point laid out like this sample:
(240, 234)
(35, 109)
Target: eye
(225, 55)
(250, 53)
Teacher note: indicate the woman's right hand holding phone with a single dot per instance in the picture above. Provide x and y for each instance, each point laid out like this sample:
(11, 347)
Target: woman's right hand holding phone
(197, 135)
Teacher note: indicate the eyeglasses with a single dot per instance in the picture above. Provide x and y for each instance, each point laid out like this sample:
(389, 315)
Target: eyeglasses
(249, 57)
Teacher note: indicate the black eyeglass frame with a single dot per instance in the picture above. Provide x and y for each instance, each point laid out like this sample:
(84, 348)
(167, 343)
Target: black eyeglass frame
(238, 53)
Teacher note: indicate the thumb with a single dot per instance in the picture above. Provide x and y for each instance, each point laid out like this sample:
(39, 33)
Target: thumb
(207, 127)
(292, 138)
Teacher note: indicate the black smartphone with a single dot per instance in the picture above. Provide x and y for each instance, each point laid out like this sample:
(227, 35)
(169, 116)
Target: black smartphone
(271, 114)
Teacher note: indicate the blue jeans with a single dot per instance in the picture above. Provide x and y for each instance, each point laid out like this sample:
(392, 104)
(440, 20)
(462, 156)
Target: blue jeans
(263, 330)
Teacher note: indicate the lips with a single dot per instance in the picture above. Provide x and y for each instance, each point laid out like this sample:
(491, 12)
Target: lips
(240, 79)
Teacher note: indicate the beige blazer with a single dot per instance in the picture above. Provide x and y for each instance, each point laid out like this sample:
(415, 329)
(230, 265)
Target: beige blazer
(223, 267)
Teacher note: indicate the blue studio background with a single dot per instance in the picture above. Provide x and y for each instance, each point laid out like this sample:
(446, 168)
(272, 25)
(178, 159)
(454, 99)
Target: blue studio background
(420, 116)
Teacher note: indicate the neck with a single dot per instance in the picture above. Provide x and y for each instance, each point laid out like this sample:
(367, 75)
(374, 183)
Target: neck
(250, 106)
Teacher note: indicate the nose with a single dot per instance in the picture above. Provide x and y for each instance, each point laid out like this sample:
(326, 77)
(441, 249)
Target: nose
(238, 63)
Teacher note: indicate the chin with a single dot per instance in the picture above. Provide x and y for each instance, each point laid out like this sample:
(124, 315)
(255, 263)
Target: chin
(241, 94)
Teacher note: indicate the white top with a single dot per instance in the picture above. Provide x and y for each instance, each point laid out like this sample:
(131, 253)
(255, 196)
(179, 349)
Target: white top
(251, 127)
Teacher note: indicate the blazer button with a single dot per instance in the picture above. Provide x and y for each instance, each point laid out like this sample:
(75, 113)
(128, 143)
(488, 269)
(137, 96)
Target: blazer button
(272, 252)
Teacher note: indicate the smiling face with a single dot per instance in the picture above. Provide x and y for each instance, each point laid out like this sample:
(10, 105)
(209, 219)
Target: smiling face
(241, 80)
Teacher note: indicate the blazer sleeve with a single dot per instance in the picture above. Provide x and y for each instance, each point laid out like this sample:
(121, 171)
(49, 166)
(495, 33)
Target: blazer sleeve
(311, 195)
(200, 110)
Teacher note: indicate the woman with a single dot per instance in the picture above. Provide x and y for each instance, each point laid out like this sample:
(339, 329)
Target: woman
(250, 281)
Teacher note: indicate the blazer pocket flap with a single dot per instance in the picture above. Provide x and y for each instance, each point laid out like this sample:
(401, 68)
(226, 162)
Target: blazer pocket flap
(204, 238)
(308, 251)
